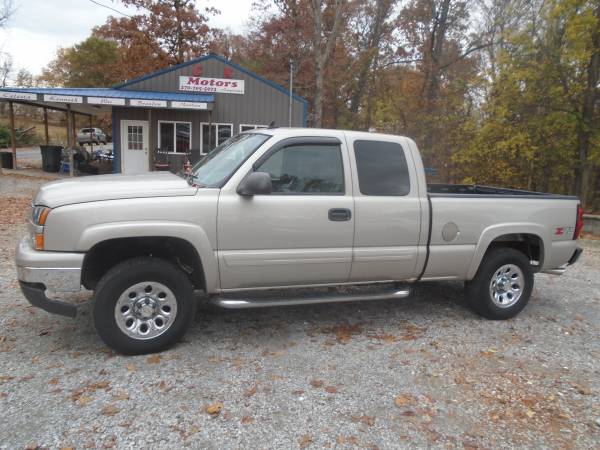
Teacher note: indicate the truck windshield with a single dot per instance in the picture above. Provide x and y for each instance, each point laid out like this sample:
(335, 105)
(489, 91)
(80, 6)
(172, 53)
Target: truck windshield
(215, 168)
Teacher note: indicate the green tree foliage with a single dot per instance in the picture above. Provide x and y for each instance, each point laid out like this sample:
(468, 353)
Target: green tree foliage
(91, 63)
(534, 119)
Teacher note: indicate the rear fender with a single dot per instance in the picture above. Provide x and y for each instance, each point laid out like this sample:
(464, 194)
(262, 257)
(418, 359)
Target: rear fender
(495, 231)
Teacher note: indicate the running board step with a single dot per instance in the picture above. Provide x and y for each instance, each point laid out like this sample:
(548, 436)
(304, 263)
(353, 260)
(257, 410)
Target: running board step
(239, 303)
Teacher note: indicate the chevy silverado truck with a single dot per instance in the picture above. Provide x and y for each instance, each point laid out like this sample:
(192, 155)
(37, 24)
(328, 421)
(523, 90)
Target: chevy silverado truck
(284, 208)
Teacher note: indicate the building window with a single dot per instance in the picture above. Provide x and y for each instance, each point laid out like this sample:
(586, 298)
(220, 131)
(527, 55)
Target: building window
(213, 134)
(175, 137)
(135, 139)
(249, 127)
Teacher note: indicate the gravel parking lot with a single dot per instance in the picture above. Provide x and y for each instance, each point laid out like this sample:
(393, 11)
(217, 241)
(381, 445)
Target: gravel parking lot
(420, 372)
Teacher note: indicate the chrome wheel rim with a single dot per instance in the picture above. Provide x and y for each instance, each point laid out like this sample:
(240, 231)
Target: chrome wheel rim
(146, 310)
(506, 286)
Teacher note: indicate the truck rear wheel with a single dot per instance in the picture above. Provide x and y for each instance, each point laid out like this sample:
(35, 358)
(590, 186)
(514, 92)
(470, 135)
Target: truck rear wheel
(143, 305)
(502, 286)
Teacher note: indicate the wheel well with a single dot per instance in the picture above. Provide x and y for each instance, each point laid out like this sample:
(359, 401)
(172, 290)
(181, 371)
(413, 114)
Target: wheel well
(104, 255)
(530, 245)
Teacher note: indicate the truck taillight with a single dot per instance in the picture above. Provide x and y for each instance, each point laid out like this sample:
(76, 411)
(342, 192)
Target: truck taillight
(578, 223)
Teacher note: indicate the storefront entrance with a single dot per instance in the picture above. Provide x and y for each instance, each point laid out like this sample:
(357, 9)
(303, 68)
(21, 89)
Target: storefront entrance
(134, 143)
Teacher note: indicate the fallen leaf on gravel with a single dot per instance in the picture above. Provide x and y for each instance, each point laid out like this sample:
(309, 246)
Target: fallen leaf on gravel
(316, 383)
(131, 368)
(344, 331)
(246, 420)
(83, 400)
(110, 410)
(331, 389)
(121, 396)
(367, 420)
(53, 380)
(384, 337)
(305, 441)
(529, 413)
(298, 392)
(98, 385)
(250, 392)
(215, 408)
(5, 378)
(404, 400)
(583, 390)
(154, 359)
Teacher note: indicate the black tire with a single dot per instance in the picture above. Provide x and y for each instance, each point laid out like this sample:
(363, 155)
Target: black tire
(127, 274)
(478, 290)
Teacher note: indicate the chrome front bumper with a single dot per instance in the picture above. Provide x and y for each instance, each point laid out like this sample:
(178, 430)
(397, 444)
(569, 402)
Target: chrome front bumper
(38, 271)
(57, 271)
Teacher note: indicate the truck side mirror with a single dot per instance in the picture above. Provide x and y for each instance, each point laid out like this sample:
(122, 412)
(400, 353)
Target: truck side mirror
(257, 183)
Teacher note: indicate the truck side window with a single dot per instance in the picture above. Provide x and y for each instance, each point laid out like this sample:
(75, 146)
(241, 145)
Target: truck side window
(382, 168)
(306, 169)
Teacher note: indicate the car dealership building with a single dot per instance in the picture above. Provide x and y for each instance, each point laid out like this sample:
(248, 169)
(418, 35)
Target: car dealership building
(182, 111)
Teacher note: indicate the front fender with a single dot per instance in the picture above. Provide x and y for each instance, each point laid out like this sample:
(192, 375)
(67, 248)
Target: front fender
(190, 232)
(493, 232)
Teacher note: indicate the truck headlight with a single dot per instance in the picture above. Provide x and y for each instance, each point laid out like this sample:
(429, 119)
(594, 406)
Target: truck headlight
(39, 214)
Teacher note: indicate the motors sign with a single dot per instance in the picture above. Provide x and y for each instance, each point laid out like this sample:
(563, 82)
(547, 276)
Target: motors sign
(211, 85)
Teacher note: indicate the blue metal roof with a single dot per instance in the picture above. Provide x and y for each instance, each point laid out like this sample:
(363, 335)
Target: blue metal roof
(118, 93)
(218, 58)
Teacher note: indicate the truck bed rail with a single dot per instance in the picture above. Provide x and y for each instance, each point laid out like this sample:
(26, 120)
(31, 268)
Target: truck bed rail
(480, 190)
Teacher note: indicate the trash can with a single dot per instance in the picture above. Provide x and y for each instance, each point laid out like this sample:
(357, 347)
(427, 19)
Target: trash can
(51, 157)
(7, 160)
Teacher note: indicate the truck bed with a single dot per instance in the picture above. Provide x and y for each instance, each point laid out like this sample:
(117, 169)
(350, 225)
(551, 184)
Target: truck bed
(480, 190)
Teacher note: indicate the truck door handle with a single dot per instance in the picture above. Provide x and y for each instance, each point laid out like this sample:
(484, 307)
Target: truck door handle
(339, 214)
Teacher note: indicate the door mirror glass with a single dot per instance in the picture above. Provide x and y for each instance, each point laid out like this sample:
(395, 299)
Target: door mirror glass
(257, 183)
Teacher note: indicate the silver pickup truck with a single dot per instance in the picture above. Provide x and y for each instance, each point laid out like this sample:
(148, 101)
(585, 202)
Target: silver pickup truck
(284, 208)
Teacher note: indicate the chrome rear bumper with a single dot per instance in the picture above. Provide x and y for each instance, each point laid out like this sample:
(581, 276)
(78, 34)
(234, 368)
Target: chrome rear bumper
(562, 269)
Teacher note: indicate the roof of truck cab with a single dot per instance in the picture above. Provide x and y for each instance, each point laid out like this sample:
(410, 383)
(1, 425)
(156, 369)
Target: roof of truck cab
(299, 132)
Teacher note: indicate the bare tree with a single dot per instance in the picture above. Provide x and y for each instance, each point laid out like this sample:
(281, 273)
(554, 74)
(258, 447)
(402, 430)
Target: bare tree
(372, 17)
(323, 42)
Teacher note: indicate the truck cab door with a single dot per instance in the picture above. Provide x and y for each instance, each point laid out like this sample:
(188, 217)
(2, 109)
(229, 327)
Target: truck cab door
(299, 234)
(388, 238)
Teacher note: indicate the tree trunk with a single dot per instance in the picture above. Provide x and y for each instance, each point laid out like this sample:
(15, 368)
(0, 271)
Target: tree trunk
(371, 51)
(586, 124)
(322, 50)
(432, 78)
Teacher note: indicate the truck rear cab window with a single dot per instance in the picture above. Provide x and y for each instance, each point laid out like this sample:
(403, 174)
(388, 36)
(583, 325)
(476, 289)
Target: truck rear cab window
(306, 169)
(382, 168)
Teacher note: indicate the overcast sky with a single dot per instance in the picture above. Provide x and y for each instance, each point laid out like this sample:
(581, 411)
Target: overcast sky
(39, 27)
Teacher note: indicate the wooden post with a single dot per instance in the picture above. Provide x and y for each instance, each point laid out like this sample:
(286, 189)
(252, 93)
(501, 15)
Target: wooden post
(46, 126)
(150, 149)
(74, 129)
(91, 141)
(13, 133)
(70, 146)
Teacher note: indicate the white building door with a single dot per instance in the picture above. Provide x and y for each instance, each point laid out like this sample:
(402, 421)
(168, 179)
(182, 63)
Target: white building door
(134, 146)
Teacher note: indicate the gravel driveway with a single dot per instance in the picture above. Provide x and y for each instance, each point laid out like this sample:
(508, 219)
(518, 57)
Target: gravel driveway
(420, 372)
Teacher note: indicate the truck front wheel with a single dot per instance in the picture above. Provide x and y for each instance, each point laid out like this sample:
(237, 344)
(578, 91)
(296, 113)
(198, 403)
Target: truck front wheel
(143, 305)
(502, 286)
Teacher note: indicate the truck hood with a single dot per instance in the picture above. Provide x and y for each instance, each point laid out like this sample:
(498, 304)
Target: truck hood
(112, 187)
